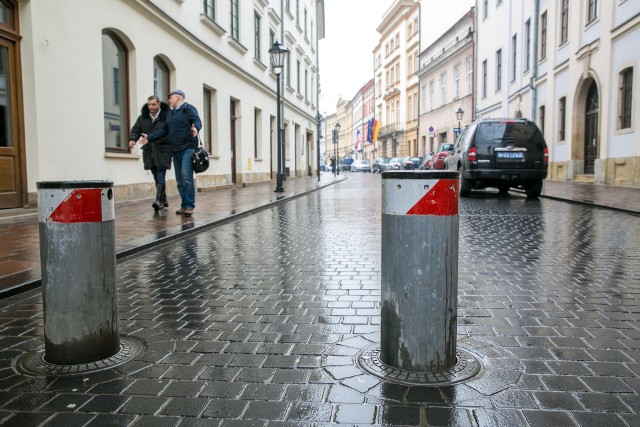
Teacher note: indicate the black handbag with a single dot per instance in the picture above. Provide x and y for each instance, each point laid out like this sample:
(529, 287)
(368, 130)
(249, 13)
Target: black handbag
(200, 159)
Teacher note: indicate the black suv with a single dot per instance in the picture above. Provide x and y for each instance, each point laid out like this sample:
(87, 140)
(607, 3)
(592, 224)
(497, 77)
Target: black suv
(502, 153)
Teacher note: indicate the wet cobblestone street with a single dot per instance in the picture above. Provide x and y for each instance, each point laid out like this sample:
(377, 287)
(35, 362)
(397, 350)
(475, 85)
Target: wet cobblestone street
(258, 322)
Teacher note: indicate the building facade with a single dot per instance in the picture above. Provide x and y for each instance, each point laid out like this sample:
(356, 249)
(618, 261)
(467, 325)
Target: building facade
(446, 78)
(571, 66)
(396, 80)
(73, 88)
(363, 104)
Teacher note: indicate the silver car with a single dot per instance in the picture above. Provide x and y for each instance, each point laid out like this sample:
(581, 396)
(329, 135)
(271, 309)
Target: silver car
(360, 166)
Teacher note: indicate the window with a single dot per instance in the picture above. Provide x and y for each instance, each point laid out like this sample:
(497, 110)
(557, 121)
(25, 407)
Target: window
(160, 78)
(564, 21)
(6, 13)
(288, 70)
(116, 126)
(498, 70)
(469, 75)
(592, 10)
(543, 36)
(484, 78)
(298, 13)
(527, 44)
(305, 23)
(485, 9)
(256, 36)
(423, 97)
(257, 133)
(206, 120)
(209, 7)
(235, 23)
(306, 79)
(456, 78)
(562, 106)
(298, 76)
(514, 56)
(626, 90)
(443, 89)
(432, 93)
(541, 119)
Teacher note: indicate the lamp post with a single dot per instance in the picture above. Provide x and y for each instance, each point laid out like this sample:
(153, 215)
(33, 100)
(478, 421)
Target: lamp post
(459, 115)
(278, 55)
(336, 129)
(319, 119)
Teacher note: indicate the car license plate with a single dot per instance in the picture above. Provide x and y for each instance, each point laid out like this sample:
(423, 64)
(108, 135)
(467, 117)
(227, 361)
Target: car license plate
(515, 155)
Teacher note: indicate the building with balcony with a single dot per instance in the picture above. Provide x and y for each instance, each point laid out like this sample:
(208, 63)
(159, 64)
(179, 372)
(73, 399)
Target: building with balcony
(396, 79)
(362, 112)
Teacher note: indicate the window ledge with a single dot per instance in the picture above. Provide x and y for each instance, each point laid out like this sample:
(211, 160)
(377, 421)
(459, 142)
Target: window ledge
(623, 131)
(113, 155)
(259, 64)
(257, 160)
(214, 156)
(237, 45)
(212, 24)
(179, 1)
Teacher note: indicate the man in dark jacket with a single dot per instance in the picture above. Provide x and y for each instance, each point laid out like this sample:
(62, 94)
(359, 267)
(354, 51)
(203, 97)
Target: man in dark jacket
(182, 127)
(156, 157)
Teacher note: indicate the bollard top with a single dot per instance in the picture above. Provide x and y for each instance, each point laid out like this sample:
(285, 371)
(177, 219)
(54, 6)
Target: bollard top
(420, 174)
(74, 184)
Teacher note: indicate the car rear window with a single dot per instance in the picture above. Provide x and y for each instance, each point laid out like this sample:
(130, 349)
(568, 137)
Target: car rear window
(506, 132)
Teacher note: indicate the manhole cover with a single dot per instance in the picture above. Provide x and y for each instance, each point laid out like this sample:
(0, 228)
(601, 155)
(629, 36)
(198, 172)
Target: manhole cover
(467, 366)
(33, 363)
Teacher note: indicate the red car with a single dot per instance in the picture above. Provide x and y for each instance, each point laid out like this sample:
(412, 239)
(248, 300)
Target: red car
(437, 163)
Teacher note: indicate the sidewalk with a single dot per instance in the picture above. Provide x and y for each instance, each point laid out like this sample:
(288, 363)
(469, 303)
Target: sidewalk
(138, 228)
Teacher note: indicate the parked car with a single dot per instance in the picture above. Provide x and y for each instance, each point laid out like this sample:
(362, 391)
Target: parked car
(360, 166)
(394, 164)
(345, 164)
(438, 162)
(425, 164)
(379, 164)
(501, 153)
(411, 163)
(324, 167)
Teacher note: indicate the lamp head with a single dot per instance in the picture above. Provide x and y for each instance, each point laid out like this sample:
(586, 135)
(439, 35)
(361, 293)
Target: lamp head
(278, 55)
(459, 114)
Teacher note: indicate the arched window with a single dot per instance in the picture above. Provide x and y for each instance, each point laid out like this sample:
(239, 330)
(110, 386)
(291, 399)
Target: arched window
(115, 77)
(160, 79)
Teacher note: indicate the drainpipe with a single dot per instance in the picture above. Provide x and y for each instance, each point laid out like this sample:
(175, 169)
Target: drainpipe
(534, 70)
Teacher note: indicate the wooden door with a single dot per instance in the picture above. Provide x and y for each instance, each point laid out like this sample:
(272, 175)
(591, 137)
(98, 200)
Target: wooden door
(591, 130)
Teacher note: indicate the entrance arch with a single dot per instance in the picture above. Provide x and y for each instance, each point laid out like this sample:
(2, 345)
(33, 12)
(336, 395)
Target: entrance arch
(591, 144)
(585, 126)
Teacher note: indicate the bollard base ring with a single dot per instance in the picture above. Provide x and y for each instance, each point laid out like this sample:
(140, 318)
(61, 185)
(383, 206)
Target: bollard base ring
(466, 367)
(33, 363)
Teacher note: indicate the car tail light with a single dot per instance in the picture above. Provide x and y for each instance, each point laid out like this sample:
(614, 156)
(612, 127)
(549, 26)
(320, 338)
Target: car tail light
(545, 156)
(473, 154)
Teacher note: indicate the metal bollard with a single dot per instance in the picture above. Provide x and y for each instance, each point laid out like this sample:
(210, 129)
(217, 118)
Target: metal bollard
(77, 255)
(419, 270)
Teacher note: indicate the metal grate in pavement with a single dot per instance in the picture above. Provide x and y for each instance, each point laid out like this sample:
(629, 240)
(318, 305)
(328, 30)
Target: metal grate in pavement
(467, 366)
(33, 363)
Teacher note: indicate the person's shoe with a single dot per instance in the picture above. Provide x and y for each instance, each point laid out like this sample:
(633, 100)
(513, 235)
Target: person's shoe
(188, 212)
(180, 211)
(158, 203)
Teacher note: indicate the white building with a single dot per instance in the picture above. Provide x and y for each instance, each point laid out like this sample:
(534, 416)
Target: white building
(446, 84)
(571, 66)
(396, 79)
(76, 73)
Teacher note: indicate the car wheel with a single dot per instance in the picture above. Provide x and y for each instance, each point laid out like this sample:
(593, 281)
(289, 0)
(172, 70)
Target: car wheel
(465, 187)
(534, 189)
(503, 189)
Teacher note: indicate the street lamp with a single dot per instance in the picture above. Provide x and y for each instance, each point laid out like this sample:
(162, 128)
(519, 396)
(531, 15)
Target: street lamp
(278, 55)
(319, 119)
(336, 129)
(459, 115)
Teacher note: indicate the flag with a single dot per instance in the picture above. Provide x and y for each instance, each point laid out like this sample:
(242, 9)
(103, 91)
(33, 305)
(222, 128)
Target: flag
(370, 131)
(376, 128)
(358, 139)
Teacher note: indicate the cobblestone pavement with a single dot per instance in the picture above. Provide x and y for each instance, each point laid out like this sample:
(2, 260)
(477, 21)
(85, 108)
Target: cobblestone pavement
(258, 322)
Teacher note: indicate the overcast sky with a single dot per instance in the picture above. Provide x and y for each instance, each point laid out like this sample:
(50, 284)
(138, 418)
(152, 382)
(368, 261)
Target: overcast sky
(346, 52)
